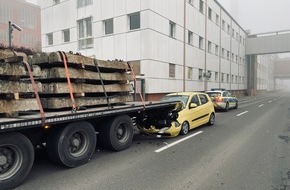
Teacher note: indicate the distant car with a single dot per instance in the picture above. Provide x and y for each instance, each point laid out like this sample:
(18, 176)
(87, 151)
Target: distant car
(197, 109)
(222, 99)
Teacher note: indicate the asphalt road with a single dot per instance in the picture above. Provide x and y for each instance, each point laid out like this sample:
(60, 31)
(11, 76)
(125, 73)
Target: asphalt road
(246, 149)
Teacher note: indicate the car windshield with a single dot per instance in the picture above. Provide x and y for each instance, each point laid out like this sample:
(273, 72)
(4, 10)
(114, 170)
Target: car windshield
(213, 94)
(182, 98)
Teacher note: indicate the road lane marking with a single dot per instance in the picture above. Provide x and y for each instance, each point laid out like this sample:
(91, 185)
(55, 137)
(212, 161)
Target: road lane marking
(177, 142)
(261, 105)
(242, 113)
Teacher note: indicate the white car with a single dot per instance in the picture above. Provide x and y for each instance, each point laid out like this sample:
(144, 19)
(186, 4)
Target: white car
(222, 99)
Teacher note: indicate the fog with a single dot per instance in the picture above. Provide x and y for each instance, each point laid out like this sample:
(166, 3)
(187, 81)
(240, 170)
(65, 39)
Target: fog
(260, 15)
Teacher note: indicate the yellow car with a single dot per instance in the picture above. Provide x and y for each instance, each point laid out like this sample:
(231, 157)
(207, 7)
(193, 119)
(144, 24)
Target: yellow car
(197, 109)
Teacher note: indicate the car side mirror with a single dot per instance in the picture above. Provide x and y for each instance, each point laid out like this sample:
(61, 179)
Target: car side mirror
(192, 105)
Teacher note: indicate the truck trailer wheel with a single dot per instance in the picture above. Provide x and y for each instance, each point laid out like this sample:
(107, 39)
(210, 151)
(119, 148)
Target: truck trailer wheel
(72, 145)
(117, 133)
(16, 159)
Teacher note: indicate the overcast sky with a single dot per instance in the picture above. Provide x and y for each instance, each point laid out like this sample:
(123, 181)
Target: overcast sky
(260, 15)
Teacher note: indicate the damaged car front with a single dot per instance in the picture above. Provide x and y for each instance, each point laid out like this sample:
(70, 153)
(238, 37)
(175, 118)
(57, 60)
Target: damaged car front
(165, 125)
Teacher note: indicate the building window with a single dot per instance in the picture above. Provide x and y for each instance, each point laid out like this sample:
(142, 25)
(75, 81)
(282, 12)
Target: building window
(201, 6)
(217, 19)
(83, 3)
(134, 21)
(233, 79)
(223, 77)
(56, 2)
(209, 46)
(233, 57)
(172, 29)
(233, 33)
(228, 30)
(237, 36)
(171, 70)
(223, 52)
(228, 55)
(199, 74)
(200, 42)
(190, 2)
(189, 73)
(223, 24)
(216, 49)
(66, 35)
(228, 78)
(236, 79)
(216, 75)
(85, 33)
(190, 37)
(49, 38)
(209, 13)
(109, 26)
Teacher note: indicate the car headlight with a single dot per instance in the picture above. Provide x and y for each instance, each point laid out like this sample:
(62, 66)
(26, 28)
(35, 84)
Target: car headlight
(175, 124)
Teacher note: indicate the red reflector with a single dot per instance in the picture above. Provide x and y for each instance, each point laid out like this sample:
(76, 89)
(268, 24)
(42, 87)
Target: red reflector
(219, 99)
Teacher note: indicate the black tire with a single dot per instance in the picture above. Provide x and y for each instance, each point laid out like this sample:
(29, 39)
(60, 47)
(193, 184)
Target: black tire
(16, 159)
(117, 133)
(184, 128)
(237, 105)
(72, 145)
(227, 107)
(211, 120)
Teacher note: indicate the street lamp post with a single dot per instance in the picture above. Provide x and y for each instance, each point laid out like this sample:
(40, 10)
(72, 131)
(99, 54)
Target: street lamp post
(10, 31)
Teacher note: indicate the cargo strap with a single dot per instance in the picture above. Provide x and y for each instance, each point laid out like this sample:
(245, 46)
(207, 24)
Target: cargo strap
(74, 106)
(35, 89)
(136, 84)
(102, 82)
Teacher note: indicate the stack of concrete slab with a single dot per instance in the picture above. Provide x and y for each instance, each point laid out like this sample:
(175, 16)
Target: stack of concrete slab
(93, 82)
(17, 93)
(87, 76)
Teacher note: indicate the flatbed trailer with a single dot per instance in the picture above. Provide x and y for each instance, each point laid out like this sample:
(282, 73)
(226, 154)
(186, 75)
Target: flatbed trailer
(70, 137)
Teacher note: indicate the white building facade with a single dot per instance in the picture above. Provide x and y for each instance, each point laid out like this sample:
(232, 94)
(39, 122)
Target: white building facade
(265, 72)
(174, 45)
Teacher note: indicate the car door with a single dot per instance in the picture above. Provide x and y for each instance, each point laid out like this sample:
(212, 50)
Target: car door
(232, 102)
(195, 112)
(205, 108)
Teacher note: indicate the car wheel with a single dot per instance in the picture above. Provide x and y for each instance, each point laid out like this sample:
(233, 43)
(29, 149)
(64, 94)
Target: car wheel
(227, 107)
(211, 120)
(237, 105)
(184, 128)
